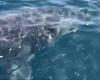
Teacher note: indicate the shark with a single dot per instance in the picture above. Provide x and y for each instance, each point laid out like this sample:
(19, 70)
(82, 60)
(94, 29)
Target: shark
(23, 31)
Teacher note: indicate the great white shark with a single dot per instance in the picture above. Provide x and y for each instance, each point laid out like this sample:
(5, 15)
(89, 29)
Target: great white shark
(24, 31)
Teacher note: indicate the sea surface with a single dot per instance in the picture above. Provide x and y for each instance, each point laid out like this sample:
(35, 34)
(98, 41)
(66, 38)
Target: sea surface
(74, 55)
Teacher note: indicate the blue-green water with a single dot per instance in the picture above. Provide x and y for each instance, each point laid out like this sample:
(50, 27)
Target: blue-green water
(72, 56)
(75, 56)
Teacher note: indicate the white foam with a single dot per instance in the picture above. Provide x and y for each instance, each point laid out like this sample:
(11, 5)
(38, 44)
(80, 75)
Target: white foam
(60, 2)
(1, 56)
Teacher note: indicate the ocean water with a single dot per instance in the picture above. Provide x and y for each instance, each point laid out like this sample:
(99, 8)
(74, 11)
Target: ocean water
(73, 55)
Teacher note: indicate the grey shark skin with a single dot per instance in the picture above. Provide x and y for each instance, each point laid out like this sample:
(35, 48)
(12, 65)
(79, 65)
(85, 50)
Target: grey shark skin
(22, 33)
